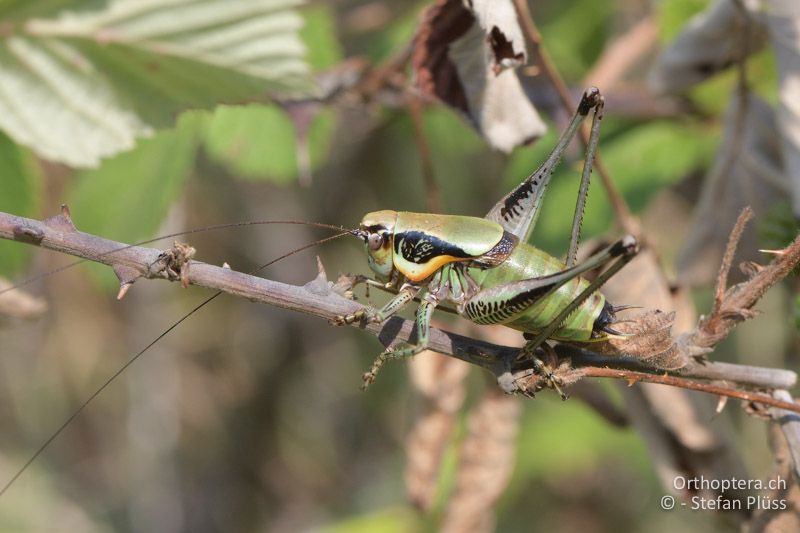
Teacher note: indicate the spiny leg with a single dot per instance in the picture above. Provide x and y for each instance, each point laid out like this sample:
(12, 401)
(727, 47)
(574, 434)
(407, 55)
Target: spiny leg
(518, 210)
(502, 303)
(626, 249)
(403, 350)
(572, 253)
(368, 282)
(583, 191)
(406, 295)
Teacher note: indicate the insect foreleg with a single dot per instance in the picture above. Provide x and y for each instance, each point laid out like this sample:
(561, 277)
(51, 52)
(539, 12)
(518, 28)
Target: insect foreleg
(403, 350)
(406, 295)
(369, 282)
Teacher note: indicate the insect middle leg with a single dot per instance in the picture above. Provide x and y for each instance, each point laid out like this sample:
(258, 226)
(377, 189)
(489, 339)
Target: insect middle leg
(403, 350)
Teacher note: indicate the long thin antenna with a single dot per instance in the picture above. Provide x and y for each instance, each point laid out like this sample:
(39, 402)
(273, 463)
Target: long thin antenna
(130, 361)
(43, 275)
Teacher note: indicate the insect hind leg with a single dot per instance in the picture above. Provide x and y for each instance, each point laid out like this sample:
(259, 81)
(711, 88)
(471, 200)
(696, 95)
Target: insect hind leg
(518, 210)
(623, 250)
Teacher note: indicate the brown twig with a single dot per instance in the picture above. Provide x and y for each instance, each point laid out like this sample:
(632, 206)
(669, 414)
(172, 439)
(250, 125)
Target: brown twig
(742, 88)
(727, 259)
(619, 55)
(623, 215)
(485, 463)
(390, 73)
(318, 298)
(739, 300)
(746, 375)
(632, 377)
(426, 161)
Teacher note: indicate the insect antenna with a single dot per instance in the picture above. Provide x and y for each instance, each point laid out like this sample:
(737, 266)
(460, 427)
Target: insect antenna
(164, 333)
(215, 227)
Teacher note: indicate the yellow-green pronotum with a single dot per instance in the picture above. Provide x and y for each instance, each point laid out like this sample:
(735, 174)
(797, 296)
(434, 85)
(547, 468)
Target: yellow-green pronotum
(488, 271)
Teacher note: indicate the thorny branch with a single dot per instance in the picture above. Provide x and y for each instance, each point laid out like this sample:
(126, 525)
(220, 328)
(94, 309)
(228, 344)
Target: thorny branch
(735, 304)
(321, 298)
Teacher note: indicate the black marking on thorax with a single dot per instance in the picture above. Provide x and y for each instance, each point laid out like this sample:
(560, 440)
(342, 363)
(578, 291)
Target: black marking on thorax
(420, 247)
(499, 253)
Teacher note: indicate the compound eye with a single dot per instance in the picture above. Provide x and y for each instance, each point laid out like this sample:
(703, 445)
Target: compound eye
(375, 241)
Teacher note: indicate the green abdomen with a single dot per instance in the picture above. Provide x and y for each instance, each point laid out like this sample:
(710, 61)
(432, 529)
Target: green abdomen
(527, 262)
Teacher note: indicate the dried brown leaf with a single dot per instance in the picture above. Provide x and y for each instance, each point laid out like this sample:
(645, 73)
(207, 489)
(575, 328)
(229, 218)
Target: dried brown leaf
(747, 171)
(486, 460)
(425, 447)
(649, 334)
(709, 43)
(674, 425)
(647, 337)
(672, 422)
(465, 57)
(726, 33)
(766, 519)
(782, 18)
(440, 381)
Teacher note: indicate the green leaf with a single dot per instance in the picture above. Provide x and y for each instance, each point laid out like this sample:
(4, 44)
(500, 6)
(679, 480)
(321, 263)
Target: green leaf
(260, 142)
(797, 312)
(19, 10)
(585, 22)
(319, 36)
(576, 439)
(387, 520)
(655, 154)
(85, 84)
(778, 227)
(674, 14)
(18, 192)
(128, 197)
